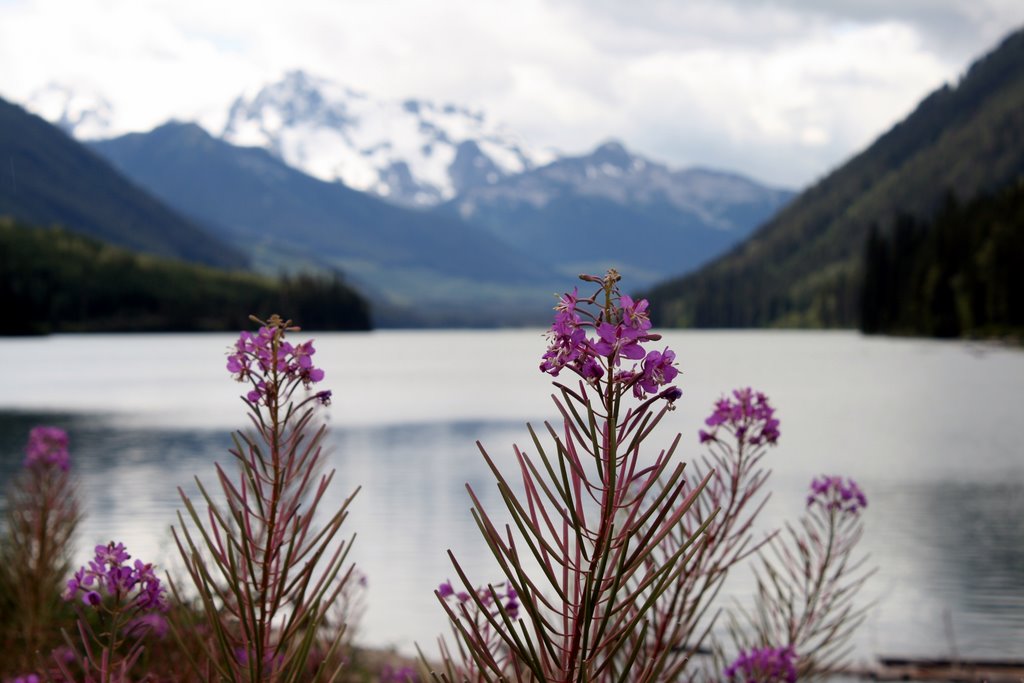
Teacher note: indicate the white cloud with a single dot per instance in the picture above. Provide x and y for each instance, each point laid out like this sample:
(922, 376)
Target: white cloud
(782, 90)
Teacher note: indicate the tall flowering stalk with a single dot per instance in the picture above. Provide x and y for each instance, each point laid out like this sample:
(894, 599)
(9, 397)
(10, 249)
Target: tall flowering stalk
(590, 515)
(42, 515)
(266, 574)
(119, 605)
(808, 583)
(740, 429)
(764, 665)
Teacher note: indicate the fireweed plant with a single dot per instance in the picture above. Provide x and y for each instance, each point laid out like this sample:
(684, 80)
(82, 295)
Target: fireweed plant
(42, 514)
(764, 665)
(740, 429)
(119, 604)
(805, 606)
(591, 515)
(614, 561)
(482, 611)
(268, 578)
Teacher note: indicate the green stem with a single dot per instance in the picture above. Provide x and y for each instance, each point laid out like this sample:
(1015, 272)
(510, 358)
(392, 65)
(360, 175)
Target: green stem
(112, 641)
(602, 546)
(38, 585)
(263, 630)
(812, 601)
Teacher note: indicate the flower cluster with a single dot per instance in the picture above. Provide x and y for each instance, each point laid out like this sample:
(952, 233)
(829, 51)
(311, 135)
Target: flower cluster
(764, 665)
(748, 415)
(833, 493)
(151, 624)
(269, 363)
(618, 326)
(510, 601)
(402, 674)
(109, 573)
(47, 446)
(271, 661)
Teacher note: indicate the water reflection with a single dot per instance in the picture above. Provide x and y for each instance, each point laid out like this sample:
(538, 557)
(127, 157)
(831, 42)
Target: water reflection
(927, 428)
(950, 554)
(412, 505)
(128, 479)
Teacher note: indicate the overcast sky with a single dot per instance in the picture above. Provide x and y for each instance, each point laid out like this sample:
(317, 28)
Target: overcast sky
(783, 90)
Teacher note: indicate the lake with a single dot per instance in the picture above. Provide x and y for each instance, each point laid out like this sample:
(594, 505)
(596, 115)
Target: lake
(931, 430)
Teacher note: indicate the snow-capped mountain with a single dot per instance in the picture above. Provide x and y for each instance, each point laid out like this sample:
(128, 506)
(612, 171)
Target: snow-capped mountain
(581, 208)
(476, 179)
(719, 200)
(82, 114)
(411, 152)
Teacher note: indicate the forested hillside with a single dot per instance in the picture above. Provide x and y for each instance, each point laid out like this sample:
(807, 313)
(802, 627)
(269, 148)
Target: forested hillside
(52, 280)
(959, 273)
(47, 178)
(805, 266)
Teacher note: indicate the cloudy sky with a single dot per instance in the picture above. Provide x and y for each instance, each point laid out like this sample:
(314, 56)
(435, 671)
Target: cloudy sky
(782, 90)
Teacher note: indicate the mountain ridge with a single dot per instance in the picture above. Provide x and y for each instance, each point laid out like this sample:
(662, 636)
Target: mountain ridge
(803, 267)
(554, 220)
(52, 179)
(407, 260)
(691, 214)
(413, 152)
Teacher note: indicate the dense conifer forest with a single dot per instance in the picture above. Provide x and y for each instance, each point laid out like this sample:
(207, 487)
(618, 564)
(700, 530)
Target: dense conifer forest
(960, 273)
(52, 280)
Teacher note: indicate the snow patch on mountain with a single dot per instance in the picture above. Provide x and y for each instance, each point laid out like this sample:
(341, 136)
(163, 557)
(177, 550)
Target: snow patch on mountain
(82, 114)
(613, 173)
(412, 152)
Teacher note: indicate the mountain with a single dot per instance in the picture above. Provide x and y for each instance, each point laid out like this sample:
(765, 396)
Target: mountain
(517, 222)
(418, 267)
(577, 212)
(410, 152)
(47, 178)
(804, 267)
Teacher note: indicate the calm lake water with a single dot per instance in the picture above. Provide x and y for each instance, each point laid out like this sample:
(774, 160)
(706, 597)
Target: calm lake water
(931, 430)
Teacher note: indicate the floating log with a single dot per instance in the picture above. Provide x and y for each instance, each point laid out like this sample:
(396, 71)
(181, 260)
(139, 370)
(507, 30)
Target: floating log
(967, 670)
